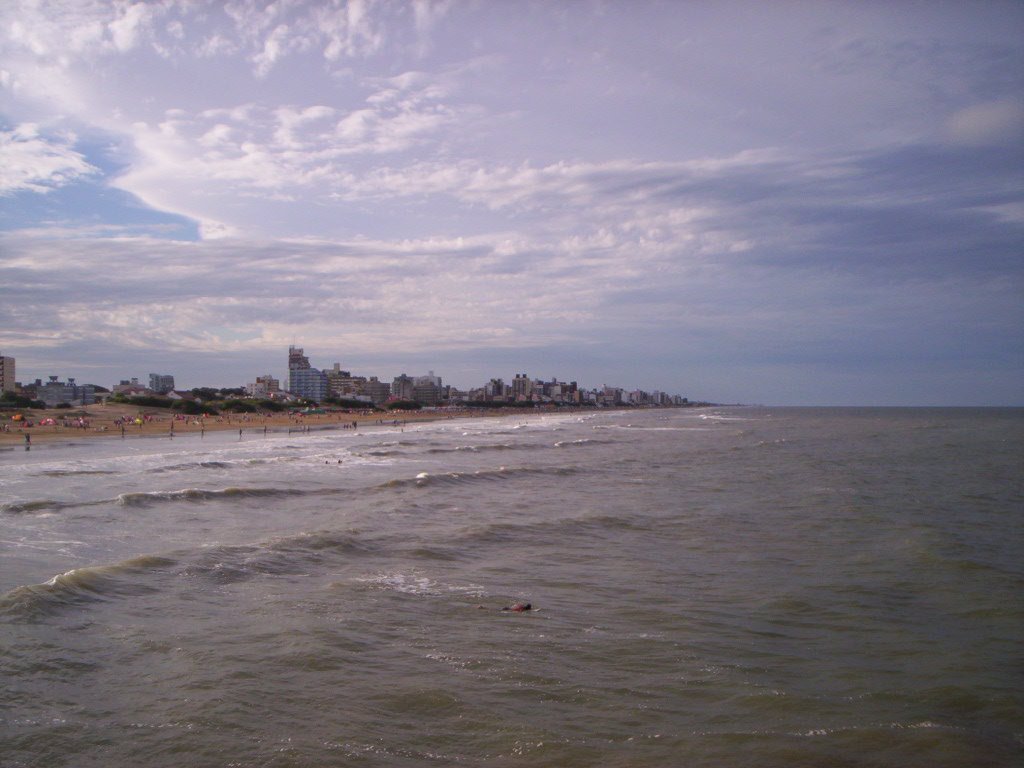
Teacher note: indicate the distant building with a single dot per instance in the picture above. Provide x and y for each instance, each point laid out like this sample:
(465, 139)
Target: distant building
(430, 378)
(342, 384)
(611, 396)
(427, 390)
(377, 391)
(496, 390)
(161, 383)
(264, 387)
(426, 393)
(403, 387)
(457, 396)
(131, 387)
(6, 374)
(522, 387)
(55, 393)
(303, 379)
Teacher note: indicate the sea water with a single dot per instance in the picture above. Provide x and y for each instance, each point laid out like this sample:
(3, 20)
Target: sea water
(733, 586)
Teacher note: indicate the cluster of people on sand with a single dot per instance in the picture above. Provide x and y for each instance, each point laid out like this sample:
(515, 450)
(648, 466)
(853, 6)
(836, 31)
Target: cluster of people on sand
(187, 419)
(79, 423)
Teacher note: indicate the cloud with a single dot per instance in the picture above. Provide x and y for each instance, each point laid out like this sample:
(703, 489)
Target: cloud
(30, 162)
(996, 122)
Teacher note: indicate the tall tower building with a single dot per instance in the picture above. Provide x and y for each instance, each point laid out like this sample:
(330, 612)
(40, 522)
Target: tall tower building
(522, 387)
(6, 374)
(297, 359)
(403, 387)
(303, 379)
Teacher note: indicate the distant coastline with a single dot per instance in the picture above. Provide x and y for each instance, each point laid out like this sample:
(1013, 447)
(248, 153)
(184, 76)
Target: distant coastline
(120, 420)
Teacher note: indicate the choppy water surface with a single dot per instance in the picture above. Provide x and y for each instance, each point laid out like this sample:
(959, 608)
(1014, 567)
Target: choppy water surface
(721, 587)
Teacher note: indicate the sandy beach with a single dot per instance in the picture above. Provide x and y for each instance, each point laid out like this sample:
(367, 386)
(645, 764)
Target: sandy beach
(117, 420)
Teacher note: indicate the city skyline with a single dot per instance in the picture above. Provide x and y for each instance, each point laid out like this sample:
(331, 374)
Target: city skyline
(161, 383)
(801, 203)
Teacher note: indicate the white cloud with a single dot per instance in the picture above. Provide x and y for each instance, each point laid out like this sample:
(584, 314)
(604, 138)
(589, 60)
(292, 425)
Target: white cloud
(30, 162)
(350, 30)
(995, 122)
(125, 30)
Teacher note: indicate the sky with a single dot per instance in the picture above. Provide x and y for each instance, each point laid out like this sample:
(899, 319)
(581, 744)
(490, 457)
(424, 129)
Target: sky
(783, 203)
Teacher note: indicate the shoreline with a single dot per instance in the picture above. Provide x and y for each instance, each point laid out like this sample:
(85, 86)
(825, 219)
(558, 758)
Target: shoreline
(120, 422)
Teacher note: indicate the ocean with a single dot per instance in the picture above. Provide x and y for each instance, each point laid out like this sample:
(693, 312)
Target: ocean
(709, 587)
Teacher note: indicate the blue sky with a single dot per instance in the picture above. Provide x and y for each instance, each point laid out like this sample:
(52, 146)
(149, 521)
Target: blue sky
(787, 203)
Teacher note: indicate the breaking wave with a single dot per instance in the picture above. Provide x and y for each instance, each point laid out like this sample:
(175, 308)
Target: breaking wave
(82, 585)
(476, 448)
(195, 465)
(218, 565)
(502, 474)
(41, 505)
(150, 498)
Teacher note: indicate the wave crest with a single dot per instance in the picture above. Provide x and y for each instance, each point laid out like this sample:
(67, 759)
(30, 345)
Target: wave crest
(82, 585)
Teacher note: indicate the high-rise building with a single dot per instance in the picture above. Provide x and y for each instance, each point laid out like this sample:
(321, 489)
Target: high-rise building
(522, 387)
(161, 383)
(6, 374)
(426, 392)
(303, 379)
(495, 390)
(378, 391)
(343, 384)
(296, 358)
(403, 387)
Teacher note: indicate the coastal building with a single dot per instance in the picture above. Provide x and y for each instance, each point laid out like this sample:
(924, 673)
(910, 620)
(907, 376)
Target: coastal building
(403, 387)
(55, 393)
(342, 384)
(457, 395)
(6, 374)
(265, 387)
(297, 358)
(131, 387)
(430, 378)
(522, 387)
(426, 393)
(161, 383)
(428, 390)
(611, 396)
(303, 379)
(378, 391)
(497, 390)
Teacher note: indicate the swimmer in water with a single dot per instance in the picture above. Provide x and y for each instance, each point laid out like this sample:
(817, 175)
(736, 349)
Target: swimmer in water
(518, 607)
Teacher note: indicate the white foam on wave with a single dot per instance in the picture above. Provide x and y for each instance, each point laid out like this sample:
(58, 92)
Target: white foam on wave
(415, 584)
(720, 417)
(924, 724)
(637, 428)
